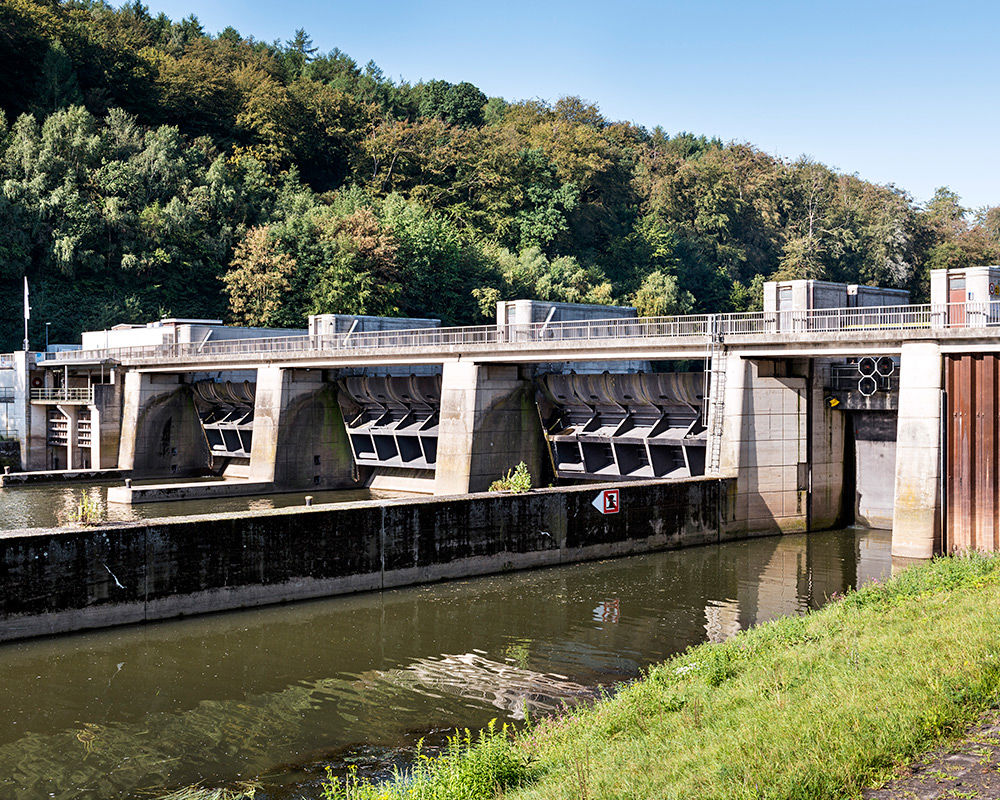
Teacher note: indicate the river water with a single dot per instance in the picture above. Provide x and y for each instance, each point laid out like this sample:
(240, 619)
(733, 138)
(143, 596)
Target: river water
(276, 694)
(49, 506)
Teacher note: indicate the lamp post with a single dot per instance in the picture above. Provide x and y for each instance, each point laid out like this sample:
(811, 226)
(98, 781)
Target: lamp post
(47, 336)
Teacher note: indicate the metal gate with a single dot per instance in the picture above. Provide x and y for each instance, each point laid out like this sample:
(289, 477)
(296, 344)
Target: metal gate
(972, 519)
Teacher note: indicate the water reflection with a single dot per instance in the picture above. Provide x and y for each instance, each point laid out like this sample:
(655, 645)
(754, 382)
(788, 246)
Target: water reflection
(54, 506)
(276, 693)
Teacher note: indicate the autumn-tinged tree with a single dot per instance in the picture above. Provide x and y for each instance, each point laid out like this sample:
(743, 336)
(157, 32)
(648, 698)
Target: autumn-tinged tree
(259, 281)
(359, 273)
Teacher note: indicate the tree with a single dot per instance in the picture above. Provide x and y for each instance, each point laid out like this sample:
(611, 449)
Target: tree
(58, 86)
(945, 212)
(661, 296)
(360, 273)
(258, 281)
(297, 53)
(456, 104)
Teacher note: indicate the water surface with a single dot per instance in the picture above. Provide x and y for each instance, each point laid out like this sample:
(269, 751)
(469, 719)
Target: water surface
(276, 694)
(50, 506)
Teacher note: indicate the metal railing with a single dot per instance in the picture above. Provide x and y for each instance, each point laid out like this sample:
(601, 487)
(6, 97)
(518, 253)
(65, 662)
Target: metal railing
(72, 394)
(694, 327)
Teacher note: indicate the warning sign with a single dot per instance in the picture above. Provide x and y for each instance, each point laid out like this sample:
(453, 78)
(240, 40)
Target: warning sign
(607, 501)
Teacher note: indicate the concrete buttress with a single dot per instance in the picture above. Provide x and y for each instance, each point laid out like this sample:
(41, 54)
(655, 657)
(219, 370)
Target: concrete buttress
(299, 438)
(161, 434)
(488, 424)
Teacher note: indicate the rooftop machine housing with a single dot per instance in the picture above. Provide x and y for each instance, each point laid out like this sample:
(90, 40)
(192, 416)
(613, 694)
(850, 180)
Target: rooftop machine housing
(331, 324)
(523, 312)
(968, 296)
(177, 331)
(807, 295)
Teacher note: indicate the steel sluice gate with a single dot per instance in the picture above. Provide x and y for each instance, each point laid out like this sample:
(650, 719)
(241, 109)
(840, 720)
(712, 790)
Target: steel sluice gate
(972, 471)
(641, 425)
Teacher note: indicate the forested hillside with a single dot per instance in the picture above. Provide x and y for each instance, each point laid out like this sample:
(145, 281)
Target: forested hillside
(149, 168)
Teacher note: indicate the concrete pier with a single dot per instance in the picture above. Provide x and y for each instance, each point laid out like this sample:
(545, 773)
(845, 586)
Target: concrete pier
(488, 425)
(299, 439)
(160, 431)
(916, 519)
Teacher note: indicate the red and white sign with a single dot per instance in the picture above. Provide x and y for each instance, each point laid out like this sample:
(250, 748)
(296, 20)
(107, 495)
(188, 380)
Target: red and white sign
(607, 502)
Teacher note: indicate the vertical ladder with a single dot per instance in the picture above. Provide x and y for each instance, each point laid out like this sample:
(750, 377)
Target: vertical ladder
(715, 399)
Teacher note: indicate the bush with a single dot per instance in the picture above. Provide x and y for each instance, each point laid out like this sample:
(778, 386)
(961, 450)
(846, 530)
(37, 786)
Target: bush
(517, 480)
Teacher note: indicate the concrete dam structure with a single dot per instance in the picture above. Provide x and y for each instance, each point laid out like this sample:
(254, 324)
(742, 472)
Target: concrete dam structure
(834, 404)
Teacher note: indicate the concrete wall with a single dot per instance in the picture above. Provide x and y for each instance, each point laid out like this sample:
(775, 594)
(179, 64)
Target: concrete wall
(488, 424)
(766, 446)
(106, 424)
(65, 580)
(916, 520)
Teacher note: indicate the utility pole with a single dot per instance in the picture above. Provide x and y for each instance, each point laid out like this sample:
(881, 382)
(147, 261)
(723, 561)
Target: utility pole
(27, 313)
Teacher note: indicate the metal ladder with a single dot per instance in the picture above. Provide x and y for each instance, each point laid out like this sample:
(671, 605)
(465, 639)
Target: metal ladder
(715, 399)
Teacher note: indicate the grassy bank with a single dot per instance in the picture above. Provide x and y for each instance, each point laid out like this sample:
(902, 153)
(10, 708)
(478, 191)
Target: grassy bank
(803, 707)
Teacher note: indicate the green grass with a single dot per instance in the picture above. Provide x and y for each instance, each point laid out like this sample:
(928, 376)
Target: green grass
(812, 707)
(480, 766)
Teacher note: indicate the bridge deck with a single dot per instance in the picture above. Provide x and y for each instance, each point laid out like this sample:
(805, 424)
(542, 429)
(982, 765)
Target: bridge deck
(846, 331)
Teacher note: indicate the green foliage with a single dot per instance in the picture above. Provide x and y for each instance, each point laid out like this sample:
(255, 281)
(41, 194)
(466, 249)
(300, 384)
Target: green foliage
(470, 768)
(660, 295)
(88, 511)
(516, 481)
(137, 152)
(57, 82)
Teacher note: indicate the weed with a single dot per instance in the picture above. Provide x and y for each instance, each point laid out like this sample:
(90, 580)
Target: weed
(88, 512)
(516, 481)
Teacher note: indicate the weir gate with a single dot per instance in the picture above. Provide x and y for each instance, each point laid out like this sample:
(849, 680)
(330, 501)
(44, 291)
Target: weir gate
(881, 414)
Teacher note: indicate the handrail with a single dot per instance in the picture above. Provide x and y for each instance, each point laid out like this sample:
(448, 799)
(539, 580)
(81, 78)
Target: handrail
(513, 336)
(72, 394)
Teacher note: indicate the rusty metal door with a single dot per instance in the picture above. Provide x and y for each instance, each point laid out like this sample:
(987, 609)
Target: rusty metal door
(971, 486)
(956, 302)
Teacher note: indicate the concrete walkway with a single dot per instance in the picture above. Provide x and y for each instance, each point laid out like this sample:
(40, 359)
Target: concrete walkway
(970, 768)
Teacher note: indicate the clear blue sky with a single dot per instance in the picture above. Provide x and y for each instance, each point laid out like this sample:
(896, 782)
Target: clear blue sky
(900, 92)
